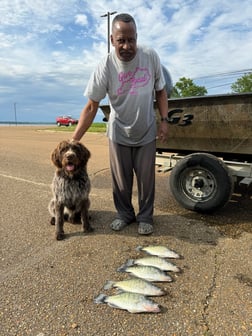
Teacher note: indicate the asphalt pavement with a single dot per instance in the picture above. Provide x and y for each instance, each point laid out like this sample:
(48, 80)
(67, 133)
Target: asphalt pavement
(48, 286)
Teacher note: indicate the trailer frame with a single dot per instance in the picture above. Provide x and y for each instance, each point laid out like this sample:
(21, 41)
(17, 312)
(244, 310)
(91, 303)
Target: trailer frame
(240, 171)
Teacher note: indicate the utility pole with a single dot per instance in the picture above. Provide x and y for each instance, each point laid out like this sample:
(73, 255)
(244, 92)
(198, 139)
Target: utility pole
(108, 16)
(15, 112)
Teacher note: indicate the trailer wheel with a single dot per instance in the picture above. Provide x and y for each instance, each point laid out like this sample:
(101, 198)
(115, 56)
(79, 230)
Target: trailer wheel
(201, 182)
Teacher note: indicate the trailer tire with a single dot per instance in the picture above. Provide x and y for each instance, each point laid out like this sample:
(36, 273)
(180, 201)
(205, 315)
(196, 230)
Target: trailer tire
(201, 182)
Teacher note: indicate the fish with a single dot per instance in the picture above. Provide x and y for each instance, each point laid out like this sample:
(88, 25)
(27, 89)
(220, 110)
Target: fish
(155, 261)
(160, 251)
(132, 302)
(148, 273)
(135, 285)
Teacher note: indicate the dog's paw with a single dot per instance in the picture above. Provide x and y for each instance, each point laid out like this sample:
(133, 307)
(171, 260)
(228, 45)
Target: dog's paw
(88, 229)
(66, 217)
(60, 235)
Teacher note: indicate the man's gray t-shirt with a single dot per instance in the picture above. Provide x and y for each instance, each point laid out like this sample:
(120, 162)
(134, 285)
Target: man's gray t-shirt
(130, 87)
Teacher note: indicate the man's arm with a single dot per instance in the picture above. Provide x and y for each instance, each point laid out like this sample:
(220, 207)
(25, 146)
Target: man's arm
(86, 118)
(162, 104)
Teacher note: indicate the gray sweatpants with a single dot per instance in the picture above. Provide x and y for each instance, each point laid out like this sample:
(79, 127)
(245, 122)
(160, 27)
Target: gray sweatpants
(124, 162)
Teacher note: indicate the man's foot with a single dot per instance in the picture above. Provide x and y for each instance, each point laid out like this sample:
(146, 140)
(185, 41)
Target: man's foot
(145, 228)
(118, 224)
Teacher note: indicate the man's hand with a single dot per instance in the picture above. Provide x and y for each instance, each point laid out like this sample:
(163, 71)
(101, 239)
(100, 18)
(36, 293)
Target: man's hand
(163, 131)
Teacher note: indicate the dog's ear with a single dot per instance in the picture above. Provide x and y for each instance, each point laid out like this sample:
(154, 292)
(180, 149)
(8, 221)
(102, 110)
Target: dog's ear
(56, 154)
(55, 157)
(88, 154)
(85, 153)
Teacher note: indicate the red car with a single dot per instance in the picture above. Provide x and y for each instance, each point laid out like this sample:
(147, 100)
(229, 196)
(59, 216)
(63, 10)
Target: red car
(66, 121)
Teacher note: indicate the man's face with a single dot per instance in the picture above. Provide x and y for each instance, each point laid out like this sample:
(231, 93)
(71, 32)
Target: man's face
(124, 39)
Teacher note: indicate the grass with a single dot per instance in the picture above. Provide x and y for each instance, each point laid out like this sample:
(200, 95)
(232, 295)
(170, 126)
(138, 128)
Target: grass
(98, 127)
(95, 128)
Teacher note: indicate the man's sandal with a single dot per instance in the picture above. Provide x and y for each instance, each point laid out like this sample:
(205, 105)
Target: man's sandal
(118, 224)
(145, 228)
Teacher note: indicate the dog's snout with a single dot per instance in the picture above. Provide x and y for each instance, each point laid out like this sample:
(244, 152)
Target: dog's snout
(70, 155)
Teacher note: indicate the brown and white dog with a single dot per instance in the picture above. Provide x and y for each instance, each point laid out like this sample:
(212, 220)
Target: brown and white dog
(70, 186)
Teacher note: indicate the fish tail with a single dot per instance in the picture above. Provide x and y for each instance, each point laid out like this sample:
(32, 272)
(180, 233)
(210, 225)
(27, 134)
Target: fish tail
(122, 268)
(109, 284)
(100, 298)
(130, 262)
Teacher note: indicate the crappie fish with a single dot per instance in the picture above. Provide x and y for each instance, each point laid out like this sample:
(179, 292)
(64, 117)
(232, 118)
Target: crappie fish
(136, 285)
(132, 302)
(155, 261)
(160, 251)
(148, 273)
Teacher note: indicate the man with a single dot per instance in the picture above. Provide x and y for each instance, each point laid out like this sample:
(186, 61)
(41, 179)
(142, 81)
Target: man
(130, 75)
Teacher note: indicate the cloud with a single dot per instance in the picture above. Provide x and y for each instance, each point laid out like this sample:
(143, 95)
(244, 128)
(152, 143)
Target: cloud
(81, 19)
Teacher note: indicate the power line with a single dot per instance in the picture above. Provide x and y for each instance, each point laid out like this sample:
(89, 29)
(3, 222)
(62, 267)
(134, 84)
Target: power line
(236, 72)
(216, 86)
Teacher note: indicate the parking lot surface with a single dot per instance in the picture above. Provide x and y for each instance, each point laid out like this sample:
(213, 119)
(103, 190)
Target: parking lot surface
(48, 286)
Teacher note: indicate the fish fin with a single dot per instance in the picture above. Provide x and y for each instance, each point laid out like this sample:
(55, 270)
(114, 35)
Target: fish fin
(134, 311)
(122, 268)
(109, 284)
(113, 305)
(100, 298)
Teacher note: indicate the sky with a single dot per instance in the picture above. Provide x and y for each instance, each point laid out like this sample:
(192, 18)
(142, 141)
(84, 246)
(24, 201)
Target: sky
(49, 48)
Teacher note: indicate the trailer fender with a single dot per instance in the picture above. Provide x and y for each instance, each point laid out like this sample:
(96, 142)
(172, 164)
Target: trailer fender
(201, 182)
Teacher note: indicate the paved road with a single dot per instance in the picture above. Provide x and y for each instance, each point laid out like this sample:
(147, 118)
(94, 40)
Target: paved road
(48, 287)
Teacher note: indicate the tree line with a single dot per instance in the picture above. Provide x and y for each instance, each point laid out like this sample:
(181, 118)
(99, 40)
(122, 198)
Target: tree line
(185, 87)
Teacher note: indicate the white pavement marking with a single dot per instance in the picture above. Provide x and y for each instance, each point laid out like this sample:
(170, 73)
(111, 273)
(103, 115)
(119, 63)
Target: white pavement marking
(23, 180)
